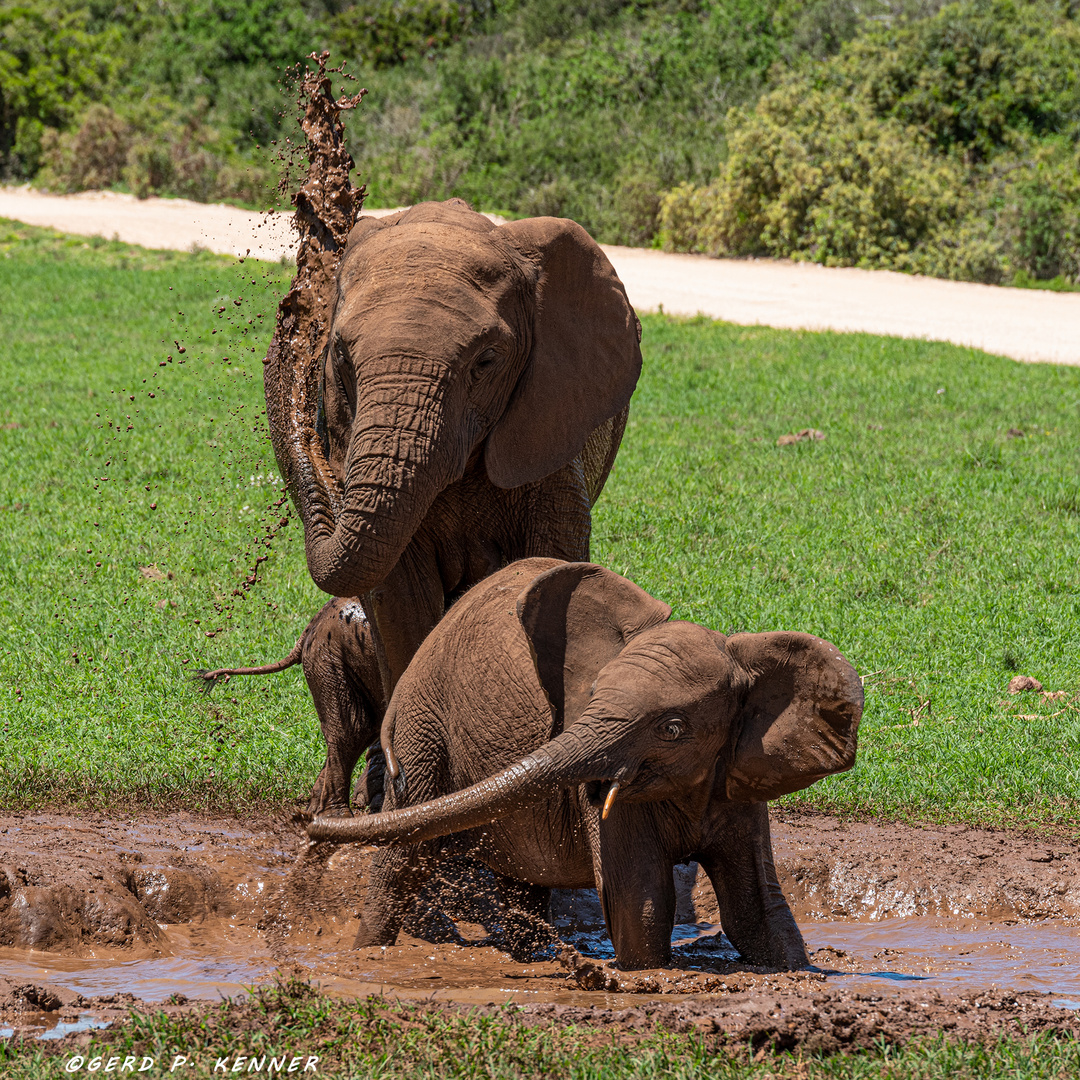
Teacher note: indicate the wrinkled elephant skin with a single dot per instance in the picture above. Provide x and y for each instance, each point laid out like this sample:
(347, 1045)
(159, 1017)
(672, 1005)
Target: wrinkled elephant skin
(562, 728)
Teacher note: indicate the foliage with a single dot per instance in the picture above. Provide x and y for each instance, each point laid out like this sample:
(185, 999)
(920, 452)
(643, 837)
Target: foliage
(935, 550)
(811, 175)
(382, 33)
(52, 64)
(577, 114)
(156, 150)
(899, 133)
(944, 146)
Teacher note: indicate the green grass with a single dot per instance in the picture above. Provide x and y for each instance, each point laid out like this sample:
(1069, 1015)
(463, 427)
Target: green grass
(377, 1038)
(110, 462)
(937, 552)
(940, 554)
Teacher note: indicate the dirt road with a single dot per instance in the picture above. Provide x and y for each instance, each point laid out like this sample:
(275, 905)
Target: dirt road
(1019, 323)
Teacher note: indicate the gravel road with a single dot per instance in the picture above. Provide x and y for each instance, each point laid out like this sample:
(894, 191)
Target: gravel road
(1020, 323)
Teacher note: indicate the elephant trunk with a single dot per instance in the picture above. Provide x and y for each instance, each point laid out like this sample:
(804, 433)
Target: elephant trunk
(570, 759)
(402, 454)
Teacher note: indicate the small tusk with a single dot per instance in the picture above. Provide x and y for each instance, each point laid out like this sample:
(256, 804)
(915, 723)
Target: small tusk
(610, 800)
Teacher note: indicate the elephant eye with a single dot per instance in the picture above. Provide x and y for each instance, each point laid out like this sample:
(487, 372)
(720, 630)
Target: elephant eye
(671, 727)
(485, 360)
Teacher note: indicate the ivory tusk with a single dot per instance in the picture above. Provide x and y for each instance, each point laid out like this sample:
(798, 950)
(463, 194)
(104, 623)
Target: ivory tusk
(610, 800)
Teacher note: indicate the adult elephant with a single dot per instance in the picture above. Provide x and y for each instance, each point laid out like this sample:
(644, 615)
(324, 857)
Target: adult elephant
(472, 397)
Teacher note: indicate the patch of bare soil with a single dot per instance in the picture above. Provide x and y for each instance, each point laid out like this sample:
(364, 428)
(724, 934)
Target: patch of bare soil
(911, 930)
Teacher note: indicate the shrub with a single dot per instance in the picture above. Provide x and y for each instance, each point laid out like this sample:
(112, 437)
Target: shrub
(388, 32)
(811, 175)
(93, 155)
(153, 152)
(1039, 215)
(932, 147)
(52, 65)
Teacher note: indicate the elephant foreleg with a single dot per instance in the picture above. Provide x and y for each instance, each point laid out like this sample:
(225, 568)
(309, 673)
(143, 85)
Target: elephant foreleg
(395, 879)
(738, 858)
(637, 889)
(404, 609)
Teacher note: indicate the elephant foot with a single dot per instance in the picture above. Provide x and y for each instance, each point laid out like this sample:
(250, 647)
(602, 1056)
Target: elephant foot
(323, 804)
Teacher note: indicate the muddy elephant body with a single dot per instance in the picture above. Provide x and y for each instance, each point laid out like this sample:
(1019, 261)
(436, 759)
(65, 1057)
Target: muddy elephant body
(561, 729)
(471, 402)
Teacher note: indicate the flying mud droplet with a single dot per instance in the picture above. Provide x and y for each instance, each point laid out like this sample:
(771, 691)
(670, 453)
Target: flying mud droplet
(327, 206)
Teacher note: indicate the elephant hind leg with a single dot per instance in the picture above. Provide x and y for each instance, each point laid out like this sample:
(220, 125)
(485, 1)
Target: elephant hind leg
(342, 673)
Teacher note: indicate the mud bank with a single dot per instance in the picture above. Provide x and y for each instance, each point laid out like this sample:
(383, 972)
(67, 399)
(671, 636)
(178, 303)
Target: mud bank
(910, 930)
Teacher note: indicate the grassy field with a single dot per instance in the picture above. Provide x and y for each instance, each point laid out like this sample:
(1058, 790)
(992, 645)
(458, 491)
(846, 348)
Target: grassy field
(137, 487)
(377, 1038)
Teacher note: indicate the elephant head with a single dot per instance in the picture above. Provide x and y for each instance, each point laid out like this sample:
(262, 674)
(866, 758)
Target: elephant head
(651, 709)
(451, 338)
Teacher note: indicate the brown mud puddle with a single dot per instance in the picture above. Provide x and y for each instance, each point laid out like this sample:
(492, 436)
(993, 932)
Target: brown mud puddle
(98, 914)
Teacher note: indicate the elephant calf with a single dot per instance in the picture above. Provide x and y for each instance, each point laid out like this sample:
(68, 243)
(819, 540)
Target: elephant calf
(557, 725)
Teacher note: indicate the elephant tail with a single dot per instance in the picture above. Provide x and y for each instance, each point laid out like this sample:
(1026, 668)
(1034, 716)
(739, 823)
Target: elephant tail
(207, 679)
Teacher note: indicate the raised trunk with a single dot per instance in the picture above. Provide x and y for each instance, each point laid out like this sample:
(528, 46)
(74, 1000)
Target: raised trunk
(327, 206)
(565, 761)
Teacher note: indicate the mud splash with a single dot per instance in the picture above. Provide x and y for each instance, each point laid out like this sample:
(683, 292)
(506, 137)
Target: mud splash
(327, 206)
(96, 914)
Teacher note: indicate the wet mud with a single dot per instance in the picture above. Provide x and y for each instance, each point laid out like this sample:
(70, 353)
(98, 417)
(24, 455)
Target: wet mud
(909, 929)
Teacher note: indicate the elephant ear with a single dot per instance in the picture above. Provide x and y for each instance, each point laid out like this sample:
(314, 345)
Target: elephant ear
(578, 617)
(801, 718)
(584, 361)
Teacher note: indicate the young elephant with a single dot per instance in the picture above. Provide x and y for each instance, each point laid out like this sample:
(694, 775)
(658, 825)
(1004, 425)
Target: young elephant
(341, 667)
(565, 732)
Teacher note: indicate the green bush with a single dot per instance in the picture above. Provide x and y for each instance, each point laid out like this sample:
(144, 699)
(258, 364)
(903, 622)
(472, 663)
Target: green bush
(943, 146)
(155, 152)
(568, 111)
(388, 32)
(52, 65)
(811, 175)
(1040, 215)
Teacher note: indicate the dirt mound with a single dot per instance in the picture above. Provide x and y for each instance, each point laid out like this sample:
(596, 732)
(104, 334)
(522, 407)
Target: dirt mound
(871, 870)
(823, 1022)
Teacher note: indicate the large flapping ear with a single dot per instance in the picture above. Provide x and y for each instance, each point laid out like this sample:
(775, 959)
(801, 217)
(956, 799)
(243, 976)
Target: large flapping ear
(578, 617)
(585, 359)
(801, 718)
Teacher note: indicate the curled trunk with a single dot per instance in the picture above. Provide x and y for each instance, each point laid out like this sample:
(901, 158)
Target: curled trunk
(401, 455)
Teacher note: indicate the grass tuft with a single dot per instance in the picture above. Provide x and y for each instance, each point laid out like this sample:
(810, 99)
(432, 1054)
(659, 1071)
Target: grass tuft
(374, 1037)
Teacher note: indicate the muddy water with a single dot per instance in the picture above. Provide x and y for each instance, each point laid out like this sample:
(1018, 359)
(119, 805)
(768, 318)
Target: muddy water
(188, 908)
(957, 955)
(944, 955)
